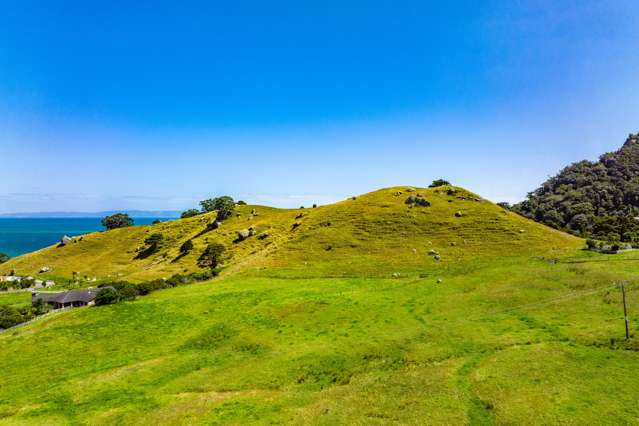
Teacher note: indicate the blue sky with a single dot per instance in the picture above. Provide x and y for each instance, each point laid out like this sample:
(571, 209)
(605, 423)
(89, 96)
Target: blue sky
(156, 105)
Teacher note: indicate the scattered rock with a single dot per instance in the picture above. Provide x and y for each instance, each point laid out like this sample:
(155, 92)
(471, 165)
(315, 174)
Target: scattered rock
(458, 214)
(521, 231)
(414, 251)
(296, 224)
(410, 190)
(452, 244)
(396, 274)
(433, 252)
(44, 269)
(66, 240)
(437, 257)
(251, 231)
(329, 247)
(411, 199)
(263, 236)
(398, 193)
(254, 213)
(299, 216)
(439, 281)
(479, 200)
(243, 234)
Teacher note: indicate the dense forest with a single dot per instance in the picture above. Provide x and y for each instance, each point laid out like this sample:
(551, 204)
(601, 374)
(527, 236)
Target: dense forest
(593, 199)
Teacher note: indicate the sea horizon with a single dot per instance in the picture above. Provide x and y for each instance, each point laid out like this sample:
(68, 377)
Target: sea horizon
(20, 235)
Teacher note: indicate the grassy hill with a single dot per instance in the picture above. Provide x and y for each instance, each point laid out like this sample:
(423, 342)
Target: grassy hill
(295, 332)
(375, 234)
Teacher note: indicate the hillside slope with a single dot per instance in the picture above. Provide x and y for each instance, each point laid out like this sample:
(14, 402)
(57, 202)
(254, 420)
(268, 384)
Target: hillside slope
(598, 198)
(375, 234)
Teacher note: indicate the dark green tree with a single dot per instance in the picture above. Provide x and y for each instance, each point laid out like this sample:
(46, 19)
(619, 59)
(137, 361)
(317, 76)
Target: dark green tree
(107, 296)
(118, 220)
(223, 205)
(211, 256)
(190, 213)
(4, 257)
(438, 182)
(186, 247)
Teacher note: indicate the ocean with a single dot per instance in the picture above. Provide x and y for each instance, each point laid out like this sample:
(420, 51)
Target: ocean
(19, 236)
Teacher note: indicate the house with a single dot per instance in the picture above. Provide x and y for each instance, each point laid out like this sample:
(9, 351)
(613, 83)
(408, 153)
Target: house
(67, 299)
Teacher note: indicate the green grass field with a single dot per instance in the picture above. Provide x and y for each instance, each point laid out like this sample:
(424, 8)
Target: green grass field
(295, 333)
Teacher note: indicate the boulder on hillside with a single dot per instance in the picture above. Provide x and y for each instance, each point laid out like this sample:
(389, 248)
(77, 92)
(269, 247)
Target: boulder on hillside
(251, 231)
(44, 269)
(263, 236)
(243, 234)
(458, 214)
(66, 240)
(433, 252)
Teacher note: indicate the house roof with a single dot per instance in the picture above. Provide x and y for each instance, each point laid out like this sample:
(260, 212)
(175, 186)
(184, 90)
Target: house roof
(85, 295)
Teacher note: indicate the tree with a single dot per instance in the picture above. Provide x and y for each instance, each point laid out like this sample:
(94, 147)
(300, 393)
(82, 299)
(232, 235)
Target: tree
(107, 296)
(40, 307)
(156, 221)
(9, 316)
(153, 243)
(118, 220)
(211, 256)
(186, 247)
(189, 213)
(438, 182)
(224, 206)
(4, 257)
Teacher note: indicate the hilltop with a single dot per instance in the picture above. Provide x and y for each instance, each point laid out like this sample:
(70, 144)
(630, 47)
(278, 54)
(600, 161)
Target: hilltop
(344, 318)
(374, 234)
(598, 198)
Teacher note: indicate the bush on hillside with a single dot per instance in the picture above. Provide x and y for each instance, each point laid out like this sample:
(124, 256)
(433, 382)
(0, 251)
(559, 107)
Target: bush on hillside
(186, 247)
(211, 256)
(107, 296)
(118, 220)
(241, 203)
(190, 213)
(4, 257)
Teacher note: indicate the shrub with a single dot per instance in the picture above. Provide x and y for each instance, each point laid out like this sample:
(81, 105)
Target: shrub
(189, 213)
(107, 296)
(4, 257)
(156, 221)
(10, 316)
(241, 203)
(118, 220)
(211, 256)
(186, 247)
(591, 244)
(438, 182)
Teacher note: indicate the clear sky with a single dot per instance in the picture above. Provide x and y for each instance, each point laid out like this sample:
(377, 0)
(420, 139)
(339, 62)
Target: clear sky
(156, 105)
